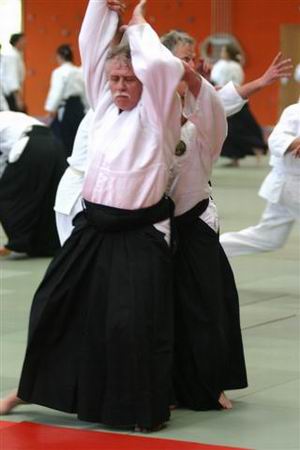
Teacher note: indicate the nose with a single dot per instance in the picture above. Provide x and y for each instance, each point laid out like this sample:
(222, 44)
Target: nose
(121, 84)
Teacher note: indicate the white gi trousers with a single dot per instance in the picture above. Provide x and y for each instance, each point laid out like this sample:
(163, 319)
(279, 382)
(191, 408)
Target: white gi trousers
(270, 234)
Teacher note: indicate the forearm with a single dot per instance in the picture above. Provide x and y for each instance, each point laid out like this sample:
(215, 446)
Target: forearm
(194, 83)
(97, 32)
(248, 89)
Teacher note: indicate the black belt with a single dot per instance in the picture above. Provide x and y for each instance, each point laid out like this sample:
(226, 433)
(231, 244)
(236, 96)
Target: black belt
(192, 214)
(107, 218)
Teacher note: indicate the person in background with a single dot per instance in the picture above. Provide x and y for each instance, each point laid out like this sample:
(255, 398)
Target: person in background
(12, 72)
(281, 189)
(66, 99)
(244, 134)
(31, 165)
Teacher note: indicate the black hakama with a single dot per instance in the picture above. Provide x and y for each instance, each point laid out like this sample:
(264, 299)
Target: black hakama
(65, 129)
(100, 334)
(27, 194)
(209, 355)
(12, 104)
(244, 135)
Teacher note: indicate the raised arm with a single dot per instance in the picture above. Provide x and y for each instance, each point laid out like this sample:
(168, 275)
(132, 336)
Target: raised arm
(278, 68)
(231, 99)
(97, 33)
(155, 66)
(207, 113)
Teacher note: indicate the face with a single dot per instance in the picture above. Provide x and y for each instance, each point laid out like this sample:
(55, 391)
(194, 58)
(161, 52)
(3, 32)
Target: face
(126, 89)
(20, 45)
(185, 52)
(59, 59)
(223, 53)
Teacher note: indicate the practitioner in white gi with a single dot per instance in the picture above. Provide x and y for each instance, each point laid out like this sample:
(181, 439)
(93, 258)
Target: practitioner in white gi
(31, 165)
(66, 99)
(109, 356)
(281, 189)
(12, 72)
(207, 309)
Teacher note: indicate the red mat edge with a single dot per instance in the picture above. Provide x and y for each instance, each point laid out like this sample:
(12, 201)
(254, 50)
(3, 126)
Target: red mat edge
(6, 424)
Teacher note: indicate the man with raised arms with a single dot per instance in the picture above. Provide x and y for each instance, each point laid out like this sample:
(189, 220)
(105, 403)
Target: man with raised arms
(100, 335)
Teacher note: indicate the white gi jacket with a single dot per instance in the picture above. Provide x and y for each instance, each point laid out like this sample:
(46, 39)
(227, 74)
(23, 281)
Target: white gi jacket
(3, 103)
(203, 134)
(66, 81)
(13, 126)
(131, 153)
(285, 174)
(12, 71)
(224, 71)
(70, 186)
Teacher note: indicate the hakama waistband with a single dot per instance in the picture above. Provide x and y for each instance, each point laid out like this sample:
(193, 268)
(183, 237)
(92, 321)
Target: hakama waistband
(38, 130)
(192, 214)
(107, 218)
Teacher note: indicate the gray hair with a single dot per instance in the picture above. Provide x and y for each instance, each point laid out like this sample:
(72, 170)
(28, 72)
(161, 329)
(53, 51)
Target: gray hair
(120, 53)
(175, 37)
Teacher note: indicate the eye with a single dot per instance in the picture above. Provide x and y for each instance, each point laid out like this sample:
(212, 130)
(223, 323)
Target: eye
(130, 79)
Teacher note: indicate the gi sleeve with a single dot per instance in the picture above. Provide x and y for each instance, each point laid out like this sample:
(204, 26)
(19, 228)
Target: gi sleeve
(206, 112)
(286, 131)
(55, 94)
(98, 29)
(158, 70)
(231, 99)
(11, 73)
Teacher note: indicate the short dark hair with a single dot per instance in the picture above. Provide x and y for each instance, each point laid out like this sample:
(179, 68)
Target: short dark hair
(65, 52)
(233, 52)
(14, 38)
(175, 37)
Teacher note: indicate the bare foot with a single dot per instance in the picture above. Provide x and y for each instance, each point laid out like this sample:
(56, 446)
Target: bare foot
(224, 401)
(4, 251)
(8, 403)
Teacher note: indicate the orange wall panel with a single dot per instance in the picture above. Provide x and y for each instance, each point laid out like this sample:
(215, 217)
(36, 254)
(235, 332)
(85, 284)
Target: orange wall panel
(256, 23)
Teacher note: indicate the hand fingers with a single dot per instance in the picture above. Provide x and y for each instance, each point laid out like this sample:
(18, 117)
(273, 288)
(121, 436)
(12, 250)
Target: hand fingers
(277, 58)
(285, 63)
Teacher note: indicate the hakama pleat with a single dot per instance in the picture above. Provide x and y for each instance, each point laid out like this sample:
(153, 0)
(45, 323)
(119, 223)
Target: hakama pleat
(101, 327)
(27, 194)
(209, 355)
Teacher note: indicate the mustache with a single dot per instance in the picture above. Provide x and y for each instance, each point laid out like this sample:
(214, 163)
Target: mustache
(120, 94)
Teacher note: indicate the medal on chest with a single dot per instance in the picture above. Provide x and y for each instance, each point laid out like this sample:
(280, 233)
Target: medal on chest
(180, 148)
